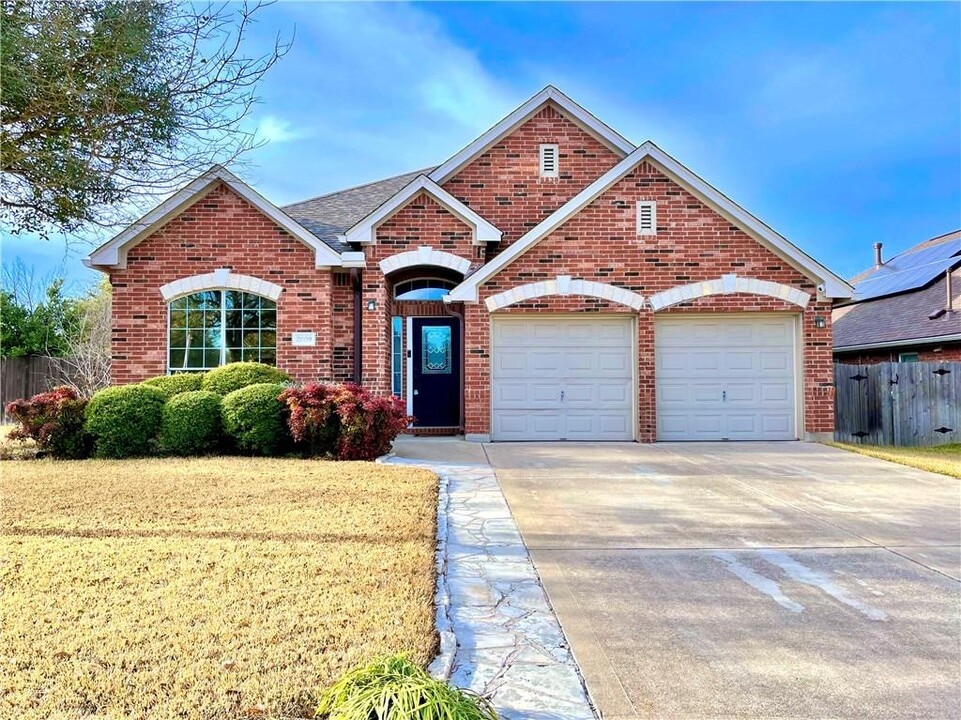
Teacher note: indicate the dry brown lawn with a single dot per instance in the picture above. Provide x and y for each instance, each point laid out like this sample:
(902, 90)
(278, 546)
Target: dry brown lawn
(207, 588)
(944, 459)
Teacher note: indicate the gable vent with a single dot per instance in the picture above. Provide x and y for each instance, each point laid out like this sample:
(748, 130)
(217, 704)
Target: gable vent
(647, 217)
(549, 167)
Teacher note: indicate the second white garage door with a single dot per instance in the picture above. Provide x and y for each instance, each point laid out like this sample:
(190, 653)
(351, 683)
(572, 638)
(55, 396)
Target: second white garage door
(563, 378)
(726, 378)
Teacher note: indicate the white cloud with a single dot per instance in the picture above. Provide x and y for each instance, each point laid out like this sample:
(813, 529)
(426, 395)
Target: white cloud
(274, 130)
(381, 90)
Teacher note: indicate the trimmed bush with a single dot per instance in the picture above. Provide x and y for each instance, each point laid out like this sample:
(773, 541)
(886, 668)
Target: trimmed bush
(313, 418)
(368, 423)
(255, 419)
(54, 420)
(395, 687)
(233, 376)
(124, 421)
(191, 423)
(172, 385)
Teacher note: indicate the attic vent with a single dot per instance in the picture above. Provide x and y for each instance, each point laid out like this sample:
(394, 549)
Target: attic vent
(549, 161)
(647, 217)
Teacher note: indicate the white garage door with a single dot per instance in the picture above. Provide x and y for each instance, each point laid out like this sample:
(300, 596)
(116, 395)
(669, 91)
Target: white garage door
(725, 378)
(563, 378)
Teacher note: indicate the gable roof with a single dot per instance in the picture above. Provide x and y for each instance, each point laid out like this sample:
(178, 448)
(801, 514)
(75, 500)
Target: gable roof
(522, 114)
(364, 232)
(829, 284)
(113, 253)
(904, 319)
(910, 270)
(330, 215)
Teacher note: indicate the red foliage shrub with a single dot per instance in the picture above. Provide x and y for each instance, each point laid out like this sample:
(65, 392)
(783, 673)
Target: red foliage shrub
(313, 420)
(368, 423)
(344, 421)
(55, 421)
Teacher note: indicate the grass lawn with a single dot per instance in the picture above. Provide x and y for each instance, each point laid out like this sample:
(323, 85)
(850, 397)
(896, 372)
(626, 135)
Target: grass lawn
(945, 459)
(207, 588)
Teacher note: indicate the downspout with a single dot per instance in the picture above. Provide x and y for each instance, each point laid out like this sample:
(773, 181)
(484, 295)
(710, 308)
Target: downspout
(356, 278)
(463, 363)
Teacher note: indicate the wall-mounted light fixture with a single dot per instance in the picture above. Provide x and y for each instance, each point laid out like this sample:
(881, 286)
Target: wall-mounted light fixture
(371, 304)
(820, 322)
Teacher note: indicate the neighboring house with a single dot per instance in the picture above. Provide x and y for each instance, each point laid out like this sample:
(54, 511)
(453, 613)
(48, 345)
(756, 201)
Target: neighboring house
(550, 281)
(906, 309)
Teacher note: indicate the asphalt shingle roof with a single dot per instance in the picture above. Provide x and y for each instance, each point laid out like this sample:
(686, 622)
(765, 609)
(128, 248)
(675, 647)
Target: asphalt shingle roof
(904, 316)
(328, 216)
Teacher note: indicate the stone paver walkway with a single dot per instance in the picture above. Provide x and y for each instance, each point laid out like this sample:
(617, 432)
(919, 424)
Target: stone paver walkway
(499, 635)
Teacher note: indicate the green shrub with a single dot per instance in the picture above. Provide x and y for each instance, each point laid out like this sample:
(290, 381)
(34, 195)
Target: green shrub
(124, 421)
(227, 378)
(54, 421)
(255, 419)
(394, 687)
(171, 385)
(191, 423)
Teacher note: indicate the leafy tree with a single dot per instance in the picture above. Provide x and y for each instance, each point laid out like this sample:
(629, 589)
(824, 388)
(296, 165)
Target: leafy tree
(40, 329)
(107, 104)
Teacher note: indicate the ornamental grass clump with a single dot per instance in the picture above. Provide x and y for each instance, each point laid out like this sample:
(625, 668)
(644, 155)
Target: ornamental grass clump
(394, 688)
(54, 420)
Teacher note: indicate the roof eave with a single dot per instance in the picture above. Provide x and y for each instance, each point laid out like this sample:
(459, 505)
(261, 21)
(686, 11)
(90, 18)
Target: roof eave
(113, 253)
(582, 117)
(364, 232)
(898, 343)
(829, 284)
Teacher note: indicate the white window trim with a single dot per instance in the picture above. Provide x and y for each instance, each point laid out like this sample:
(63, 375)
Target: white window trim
(648, 231)
(542, 153)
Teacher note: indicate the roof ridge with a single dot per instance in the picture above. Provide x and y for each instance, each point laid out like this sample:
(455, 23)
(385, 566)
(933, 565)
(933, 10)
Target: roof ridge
(422, 171)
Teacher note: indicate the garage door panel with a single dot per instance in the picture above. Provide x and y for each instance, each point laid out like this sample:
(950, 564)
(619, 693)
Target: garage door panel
(589, 360)
(725, 378)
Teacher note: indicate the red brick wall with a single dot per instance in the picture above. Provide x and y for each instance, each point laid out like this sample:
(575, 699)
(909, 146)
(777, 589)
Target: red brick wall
(342, 327)
(693, 243)
(504, 184)
(219, 231)
(948, 352)
(422, 222)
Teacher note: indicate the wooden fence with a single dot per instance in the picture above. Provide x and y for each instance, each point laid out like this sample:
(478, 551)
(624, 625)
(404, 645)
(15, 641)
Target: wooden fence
(22, 377)
(898, 403)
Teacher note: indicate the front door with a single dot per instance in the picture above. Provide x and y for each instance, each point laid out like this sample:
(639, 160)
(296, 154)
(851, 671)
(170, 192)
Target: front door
(435, 372)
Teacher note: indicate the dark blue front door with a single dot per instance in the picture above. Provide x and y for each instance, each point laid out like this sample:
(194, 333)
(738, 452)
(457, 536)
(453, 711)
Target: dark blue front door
(436, 372)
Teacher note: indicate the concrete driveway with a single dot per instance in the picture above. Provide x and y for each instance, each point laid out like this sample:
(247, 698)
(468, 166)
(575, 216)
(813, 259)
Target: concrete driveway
(746, 580)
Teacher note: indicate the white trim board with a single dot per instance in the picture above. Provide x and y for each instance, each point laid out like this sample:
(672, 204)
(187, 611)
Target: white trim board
(365, 231)
(829, 284)
(113, 253)
(522, 114)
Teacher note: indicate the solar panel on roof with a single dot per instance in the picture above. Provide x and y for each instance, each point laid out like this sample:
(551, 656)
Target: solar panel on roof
(909, 271)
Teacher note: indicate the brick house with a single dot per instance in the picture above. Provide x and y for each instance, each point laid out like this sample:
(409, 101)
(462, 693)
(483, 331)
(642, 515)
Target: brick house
(550, 281)
(904, 309)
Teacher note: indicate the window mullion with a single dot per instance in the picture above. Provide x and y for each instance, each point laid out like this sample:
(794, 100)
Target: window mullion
(223, 327)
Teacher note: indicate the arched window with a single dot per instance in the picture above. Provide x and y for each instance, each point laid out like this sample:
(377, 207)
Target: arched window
(423, 289)
(214, 327)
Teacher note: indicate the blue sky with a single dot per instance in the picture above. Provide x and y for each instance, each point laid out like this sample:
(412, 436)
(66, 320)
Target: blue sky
(837, 124)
